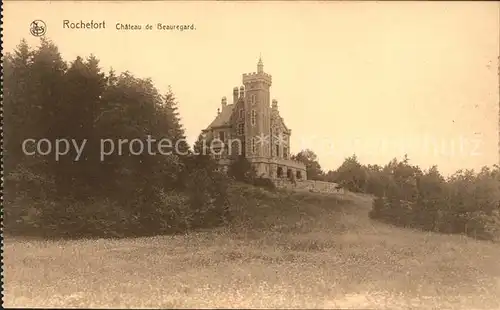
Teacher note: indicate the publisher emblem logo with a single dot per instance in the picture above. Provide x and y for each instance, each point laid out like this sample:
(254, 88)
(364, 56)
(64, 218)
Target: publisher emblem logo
(38, 28)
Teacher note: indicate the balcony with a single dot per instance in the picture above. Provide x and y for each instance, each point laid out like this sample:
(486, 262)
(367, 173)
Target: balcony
(289, 163)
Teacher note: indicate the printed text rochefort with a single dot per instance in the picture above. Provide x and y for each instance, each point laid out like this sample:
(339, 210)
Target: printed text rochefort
(89, 24)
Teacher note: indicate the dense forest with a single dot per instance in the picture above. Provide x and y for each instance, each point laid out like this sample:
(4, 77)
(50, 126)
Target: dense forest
(130, 194)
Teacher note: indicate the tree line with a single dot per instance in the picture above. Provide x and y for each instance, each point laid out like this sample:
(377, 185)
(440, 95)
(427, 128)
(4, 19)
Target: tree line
(467, 202)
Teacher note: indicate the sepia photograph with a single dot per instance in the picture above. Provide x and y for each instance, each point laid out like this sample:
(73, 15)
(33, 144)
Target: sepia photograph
(251, 154)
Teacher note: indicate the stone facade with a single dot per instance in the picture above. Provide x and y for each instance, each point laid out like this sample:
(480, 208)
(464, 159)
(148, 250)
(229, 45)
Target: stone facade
(252, 126)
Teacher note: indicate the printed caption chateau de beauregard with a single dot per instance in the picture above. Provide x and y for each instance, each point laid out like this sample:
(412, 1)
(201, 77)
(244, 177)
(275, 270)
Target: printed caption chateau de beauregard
(255, 123)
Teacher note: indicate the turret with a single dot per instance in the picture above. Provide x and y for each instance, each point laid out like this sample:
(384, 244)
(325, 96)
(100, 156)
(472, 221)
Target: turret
(275, 104)
(235, 95)
(224, 102)
(259, 76)
(260, 66)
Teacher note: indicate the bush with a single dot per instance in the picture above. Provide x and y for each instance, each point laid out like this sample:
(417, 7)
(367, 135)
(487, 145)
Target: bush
(378, 210)
(483, 226)
(207, 192)
(242, 170)
(166, 212)
(264, 183)
(141, 208)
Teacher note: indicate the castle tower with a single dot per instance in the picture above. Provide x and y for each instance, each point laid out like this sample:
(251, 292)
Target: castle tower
(257, 121)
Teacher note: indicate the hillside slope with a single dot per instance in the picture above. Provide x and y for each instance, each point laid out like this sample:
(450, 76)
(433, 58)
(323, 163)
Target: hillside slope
(284, 250)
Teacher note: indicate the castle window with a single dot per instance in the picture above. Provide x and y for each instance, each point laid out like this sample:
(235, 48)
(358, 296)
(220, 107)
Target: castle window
(241, 129)
(254, 117)
(285, 152)
(221, 136)
(277, 150)
(241, 113)
(254, 99)
(254, 147)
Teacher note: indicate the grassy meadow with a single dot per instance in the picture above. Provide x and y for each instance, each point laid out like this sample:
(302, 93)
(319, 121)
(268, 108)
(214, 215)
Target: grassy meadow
(282, 250)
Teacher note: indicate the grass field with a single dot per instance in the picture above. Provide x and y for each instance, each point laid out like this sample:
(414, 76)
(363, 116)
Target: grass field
(297, 251)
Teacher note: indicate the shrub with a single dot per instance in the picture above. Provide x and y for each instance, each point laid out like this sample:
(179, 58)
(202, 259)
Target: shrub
(264, 183)
(483, 226)
(378, 208)
(145, 210)
(242, 170)
(207, 192)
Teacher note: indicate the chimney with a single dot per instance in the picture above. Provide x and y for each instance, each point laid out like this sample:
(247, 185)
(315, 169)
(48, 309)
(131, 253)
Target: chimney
(242, 92)
(224, 102)
(235, 95)
(275, 104)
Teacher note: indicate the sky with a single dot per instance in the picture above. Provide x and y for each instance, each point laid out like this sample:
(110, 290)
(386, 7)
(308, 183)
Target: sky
(375, 79)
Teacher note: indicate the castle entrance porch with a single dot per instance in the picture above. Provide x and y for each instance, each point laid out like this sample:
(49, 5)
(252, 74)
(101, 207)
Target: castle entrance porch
(279, 172)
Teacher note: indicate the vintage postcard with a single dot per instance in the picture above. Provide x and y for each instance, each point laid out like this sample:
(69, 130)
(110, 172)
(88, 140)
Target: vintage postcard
(263, 154)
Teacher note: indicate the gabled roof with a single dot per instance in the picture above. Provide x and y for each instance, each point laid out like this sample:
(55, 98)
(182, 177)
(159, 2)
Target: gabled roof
(279, 120)
(283, 123)
(223, 119)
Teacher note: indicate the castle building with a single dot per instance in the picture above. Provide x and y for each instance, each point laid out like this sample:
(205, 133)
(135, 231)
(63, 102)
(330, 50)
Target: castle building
(252, 126)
